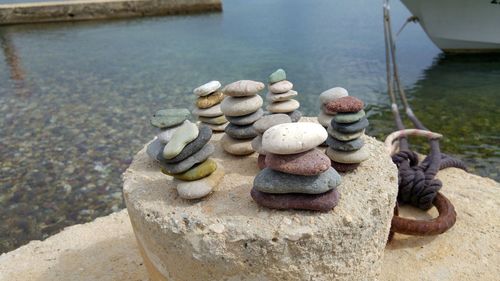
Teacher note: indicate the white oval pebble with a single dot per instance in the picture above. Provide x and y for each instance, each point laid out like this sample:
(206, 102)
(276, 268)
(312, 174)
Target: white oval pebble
(199, 188)
(206, 89)
(333, 94)
(291, 138)
(232, 106)
(283, 106)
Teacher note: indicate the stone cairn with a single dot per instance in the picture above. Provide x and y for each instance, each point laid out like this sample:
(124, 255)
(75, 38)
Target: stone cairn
(325, 116)
(280, 96)
(298, 175)
(345, 144)
(242, 107)
(183, 152)
(208, 106)
(261, 126)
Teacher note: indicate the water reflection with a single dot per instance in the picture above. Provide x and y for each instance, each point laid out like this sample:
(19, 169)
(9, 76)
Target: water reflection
(13, 61)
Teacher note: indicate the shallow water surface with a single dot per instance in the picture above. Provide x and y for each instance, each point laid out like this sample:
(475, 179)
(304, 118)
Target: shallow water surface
(75, 98)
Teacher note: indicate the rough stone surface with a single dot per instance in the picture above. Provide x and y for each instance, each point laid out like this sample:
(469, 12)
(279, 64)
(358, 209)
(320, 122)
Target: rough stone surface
(210, 100)
(271, 181)
(269, 121)
(219, 120)
(207, 88)
(342, 136)
(182, 136)
(199, 188)
(198, 157)
(278, 75)
(166, 118)
(232, 106)
(308, 163)
(213, 111)
(243, 88)
(348, 157)
(197, 172)
(241, 132)
(246, 119)
(204, 135)
(349, 117)
(283, 106)
(281, 87)
(106, 249)
(281, 97)
(291, 138)
(350, 128)
(332, 94)
(236, 147)
(345, 104)
(314, 202)
(345, 145)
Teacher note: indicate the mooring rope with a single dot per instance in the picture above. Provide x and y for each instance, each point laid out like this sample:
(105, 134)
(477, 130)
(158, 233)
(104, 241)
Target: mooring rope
(417, 183)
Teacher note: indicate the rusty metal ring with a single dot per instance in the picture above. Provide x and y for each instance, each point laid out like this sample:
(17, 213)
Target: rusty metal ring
(446, 219)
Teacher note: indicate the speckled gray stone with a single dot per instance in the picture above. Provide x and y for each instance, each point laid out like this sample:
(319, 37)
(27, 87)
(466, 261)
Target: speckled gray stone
(345, 145)
(350, 128)
(241, 132)
(246, 119)
(270, 181)
(184, 165)
(170, 117)
(204, 135)
(268, 121)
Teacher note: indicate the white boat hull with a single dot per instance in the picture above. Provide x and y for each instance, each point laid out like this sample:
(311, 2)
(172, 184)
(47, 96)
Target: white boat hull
(459, 25)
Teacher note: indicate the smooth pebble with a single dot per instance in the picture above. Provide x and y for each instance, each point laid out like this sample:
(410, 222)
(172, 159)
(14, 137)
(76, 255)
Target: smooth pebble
(236, 147)
(210, 100)
(204, 135)
(213, 111)
(182, 136)
(281, 97)
(281, 87)
(246, 119)
(241, 132)
(322, 202)
(342, 136)
(207, 88)
(166, 118)
(291, 138)
(196, 172)
(277, 76)
(307, 163)
(348, 157)
(232, 106)
(200, 188)
(186, 164)
(283, 106)
(219, 120)
(349, 117)
(269, 121)
(243, 88)
(332, 94)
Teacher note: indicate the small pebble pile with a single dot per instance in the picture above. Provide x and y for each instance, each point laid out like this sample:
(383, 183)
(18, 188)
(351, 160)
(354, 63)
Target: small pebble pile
(208, 106)
(183, 152)
(280, 96)
(345, 144)
(325, 116)
(261, 126)
(298, 175)
(242, 107)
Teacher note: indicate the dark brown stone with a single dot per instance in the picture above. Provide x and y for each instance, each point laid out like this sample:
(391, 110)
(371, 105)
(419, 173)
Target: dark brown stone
(309, 163)
(343, 167)
(323, 202)
(345, 104)
(261, 161)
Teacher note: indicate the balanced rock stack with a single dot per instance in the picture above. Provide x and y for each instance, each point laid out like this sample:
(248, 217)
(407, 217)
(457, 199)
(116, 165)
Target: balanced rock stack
(345, 144)
(184, 155)
(280, 96)
(261, 126)
(325, 116)
(242, 107)
(208, 106)
(298, 176)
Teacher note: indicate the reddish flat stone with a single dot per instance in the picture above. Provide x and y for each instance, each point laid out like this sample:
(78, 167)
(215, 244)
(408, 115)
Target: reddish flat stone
(261, 161)
(323, 202)
(309, 163)
(345, 104)
(343, 167)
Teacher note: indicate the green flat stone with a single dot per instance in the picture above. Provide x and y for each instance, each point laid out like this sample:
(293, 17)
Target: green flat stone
(169, 117)
(219, 120)
(182, 136)
(278, 75)
(349, 117)
(197, 172)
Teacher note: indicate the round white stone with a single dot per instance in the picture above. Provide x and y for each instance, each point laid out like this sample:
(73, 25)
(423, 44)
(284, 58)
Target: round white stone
(291, 138)
(333, 94)
(213, 111)
(206, 89)
(283, 106)
(239, 106)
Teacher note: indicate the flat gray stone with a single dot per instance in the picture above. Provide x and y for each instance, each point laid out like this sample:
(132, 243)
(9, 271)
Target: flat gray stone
(270, 181)
(204, 135)
(243, 88)
(170, 117)
(349, 117)
(241, 132)
(281, 97)
(344, 137)
(184, 165)
(350, 128)
(345, 145)
(239, 106)
(246, 119)
(268, 121)
(280, 87)
(283, 106)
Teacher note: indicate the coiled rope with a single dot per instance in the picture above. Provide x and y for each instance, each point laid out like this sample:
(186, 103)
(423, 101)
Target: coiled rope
(417, 183)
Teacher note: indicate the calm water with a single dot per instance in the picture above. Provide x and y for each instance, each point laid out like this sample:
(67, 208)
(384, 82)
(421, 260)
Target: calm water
(75, 98)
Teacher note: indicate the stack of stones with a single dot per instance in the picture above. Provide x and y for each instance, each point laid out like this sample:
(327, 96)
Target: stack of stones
(325, 116)
(242, 107)
(208, 106)
(345, 144)
(280, 96)
(298, 175)
(261, 126)
(184, 154)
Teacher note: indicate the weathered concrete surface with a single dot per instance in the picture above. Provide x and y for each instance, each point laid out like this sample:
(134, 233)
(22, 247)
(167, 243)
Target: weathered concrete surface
(228, 236)
(74, 10)
(106, 248)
